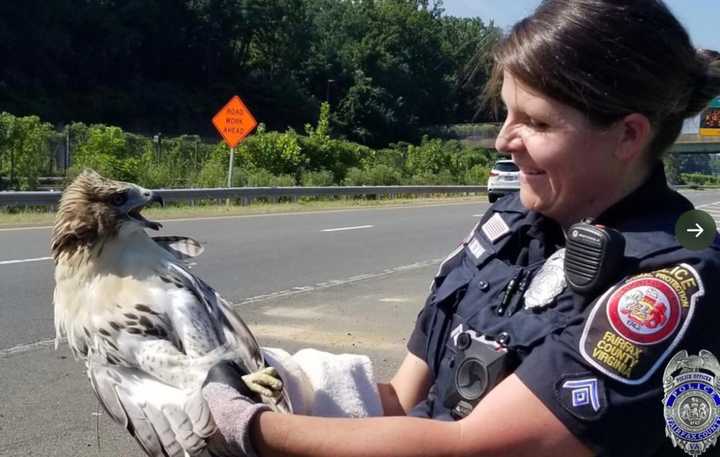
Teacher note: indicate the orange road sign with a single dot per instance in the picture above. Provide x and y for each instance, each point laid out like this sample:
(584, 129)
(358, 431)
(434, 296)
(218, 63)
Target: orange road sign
(234, 122)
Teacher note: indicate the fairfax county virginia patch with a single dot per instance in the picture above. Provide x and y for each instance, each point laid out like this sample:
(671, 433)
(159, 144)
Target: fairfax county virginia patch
(691, 405)
(582, 395)
(634, 326)
(495, 227)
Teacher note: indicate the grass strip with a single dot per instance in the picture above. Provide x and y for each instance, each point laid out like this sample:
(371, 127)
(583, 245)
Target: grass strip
(41, 217)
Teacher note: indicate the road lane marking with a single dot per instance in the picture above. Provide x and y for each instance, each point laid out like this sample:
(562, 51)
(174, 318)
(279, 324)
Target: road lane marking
(27, 347)
(20, 348)
(713, 209)
(707, 204)
(37, 259)
(343, 229)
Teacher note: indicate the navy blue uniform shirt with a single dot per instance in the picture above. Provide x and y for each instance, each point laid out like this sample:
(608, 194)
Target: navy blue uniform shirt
(596, 362)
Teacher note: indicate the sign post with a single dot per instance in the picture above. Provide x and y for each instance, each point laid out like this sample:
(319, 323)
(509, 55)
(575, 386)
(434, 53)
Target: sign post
(710, 119)
(234, 122)
(230, 167)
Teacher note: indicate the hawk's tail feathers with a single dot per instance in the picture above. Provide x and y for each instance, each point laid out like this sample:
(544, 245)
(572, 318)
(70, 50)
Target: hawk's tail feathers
(164, 420)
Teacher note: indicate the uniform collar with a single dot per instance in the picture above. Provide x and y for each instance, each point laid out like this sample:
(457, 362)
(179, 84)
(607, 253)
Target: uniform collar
(653, 204)
(527, 225)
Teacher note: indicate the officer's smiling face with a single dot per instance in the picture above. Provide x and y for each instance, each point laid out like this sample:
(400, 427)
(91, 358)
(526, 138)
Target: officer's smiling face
(568, 167)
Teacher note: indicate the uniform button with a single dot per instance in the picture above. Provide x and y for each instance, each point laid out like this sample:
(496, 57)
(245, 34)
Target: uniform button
(463, 341)
(503, 338)
(483, 285)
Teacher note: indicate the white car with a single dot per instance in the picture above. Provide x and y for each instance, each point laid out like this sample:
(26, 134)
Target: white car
(504, 178)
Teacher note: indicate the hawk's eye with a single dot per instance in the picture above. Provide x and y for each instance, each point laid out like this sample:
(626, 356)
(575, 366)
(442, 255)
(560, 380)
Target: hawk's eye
(119, 199)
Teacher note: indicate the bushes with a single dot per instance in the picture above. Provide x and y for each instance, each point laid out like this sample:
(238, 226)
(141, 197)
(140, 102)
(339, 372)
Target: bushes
(477, 176)
(214, 170)
(699, 179)
(24, 149)
(272, 159)
(105, 151)
(378, 175)
(278, 153)
(317, 178)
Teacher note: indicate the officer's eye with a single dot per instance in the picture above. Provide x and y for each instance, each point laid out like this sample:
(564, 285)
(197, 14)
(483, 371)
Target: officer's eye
(537, 125)
(119, 198)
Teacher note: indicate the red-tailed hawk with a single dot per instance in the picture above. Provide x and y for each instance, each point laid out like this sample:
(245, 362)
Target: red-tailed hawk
(147, 327)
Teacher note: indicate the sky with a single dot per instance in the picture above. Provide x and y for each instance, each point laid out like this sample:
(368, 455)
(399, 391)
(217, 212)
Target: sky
(700, 17)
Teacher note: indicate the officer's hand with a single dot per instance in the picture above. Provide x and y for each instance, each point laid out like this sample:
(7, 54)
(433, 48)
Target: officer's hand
(233, 406)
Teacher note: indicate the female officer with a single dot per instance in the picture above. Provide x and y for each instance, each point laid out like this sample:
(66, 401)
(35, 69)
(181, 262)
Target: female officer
(596, 91)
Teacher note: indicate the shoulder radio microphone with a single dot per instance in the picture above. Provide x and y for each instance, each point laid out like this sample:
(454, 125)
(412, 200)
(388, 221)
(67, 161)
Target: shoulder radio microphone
(593, 257)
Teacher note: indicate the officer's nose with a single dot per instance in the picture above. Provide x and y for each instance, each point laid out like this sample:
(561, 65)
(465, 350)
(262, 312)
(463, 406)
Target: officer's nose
(508, 140)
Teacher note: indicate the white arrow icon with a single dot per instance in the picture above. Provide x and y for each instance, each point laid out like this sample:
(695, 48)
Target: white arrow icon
(699, 230)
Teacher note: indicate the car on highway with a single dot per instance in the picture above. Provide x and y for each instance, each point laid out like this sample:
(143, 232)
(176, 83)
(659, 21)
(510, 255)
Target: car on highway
(504, 178)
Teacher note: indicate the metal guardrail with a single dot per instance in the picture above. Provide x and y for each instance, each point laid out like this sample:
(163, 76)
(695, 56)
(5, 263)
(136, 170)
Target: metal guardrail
(247, 194)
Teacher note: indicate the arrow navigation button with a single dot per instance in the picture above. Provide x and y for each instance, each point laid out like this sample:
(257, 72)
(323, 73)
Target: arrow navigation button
(695, 230)
(699, 230)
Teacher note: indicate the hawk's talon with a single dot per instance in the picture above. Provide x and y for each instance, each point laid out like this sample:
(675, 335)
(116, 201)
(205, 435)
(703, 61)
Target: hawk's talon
(265, 382)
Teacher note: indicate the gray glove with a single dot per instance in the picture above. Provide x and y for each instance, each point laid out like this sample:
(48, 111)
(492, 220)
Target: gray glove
(233, 409)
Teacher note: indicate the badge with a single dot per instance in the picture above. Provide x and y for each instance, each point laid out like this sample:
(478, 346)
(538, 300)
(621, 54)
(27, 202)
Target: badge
(692, 401)
(495, 227)
(633, 327)
(547, 283)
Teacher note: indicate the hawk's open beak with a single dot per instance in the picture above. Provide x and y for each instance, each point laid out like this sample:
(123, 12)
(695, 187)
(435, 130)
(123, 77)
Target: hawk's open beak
(143, 198)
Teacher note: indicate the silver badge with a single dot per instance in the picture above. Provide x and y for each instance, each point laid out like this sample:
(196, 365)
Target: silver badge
(692, 401)
(547, 283)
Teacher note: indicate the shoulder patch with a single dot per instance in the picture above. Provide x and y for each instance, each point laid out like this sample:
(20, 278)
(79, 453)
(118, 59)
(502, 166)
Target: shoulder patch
(634, 326)
(495, 228)
(582, 395)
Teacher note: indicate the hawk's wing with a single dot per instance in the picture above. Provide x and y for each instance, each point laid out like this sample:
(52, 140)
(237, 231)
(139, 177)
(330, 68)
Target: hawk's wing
(150, 359)
(235, 333)
(164, 420)
(182, 247)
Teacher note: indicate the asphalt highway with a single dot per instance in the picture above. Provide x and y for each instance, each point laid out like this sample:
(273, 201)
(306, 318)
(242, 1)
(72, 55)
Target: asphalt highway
(344, 281)
(251, 256)
(247, 257)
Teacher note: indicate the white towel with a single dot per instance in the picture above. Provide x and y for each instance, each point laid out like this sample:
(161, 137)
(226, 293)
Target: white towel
(327, 385)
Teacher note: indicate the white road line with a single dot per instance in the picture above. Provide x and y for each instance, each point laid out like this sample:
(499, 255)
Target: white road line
(342, 229)
(21, 348)
(707, 204)
(37, 259)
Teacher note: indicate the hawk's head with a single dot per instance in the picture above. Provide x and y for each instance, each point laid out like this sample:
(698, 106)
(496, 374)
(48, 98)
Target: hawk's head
(93, 208)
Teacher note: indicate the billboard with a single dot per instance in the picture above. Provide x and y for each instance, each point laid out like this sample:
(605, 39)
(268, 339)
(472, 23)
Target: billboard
(710, 119)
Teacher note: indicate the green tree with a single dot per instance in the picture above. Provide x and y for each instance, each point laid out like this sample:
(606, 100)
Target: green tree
(278, 153)
(24, 147)
(105, 151)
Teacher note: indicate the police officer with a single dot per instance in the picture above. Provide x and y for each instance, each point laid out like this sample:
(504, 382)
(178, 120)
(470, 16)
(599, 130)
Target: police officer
(544, 334)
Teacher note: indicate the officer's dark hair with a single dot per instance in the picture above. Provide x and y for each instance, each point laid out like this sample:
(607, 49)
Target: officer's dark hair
(611, 58)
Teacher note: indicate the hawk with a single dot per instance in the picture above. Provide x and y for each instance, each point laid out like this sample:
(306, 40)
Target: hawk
(147, 328)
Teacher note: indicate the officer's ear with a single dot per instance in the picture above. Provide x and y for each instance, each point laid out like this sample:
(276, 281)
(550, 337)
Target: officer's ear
(634, 136)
